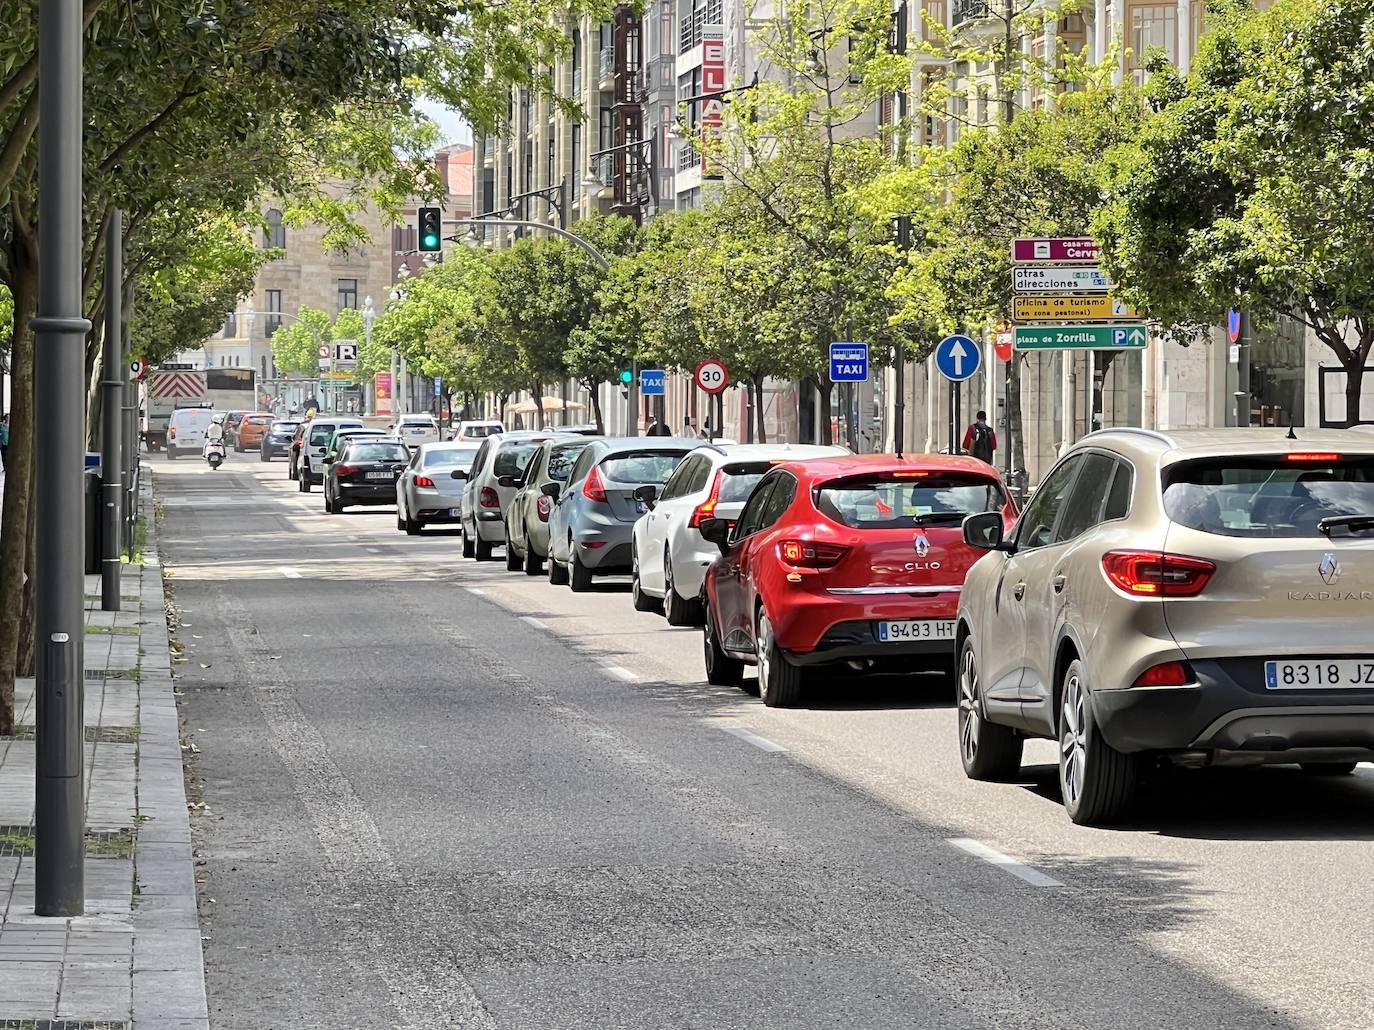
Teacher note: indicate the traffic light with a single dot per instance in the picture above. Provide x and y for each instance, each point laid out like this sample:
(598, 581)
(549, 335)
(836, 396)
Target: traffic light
(431, 230)
(625, 377)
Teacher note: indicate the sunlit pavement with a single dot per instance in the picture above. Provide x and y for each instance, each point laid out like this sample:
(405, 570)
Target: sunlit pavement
(443, 794)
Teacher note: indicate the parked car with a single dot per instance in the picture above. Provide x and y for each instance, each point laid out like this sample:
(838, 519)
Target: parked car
(345, 433)
(413, 430)
(856, 560)
(477, 430)
(670, 554)
(251, 429)
(294, 449)
(322, 429)
(232, 420)
(610, 487)
(363, 472)
(499, 463)
(1202, 595)
(527, 515)
(278, 438)
(186, 431)
(428, 493)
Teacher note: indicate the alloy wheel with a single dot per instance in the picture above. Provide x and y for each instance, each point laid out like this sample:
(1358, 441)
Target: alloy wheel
(970, 721)
(764, 645)
(1073, 751)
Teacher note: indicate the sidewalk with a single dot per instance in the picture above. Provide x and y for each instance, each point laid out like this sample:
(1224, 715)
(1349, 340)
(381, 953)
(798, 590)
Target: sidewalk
(133, 961)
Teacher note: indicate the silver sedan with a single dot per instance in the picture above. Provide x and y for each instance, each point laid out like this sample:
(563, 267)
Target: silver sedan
(428, 492)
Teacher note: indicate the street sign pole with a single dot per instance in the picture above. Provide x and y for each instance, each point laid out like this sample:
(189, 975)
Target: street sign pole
(1243, 374)
(632, 401)
(59, 451)
(111, 391)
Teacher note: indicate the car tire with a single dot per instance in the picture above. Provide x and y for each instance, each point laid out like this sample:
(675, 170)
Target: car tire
(400, 519)
(533, 566)
(264, 456)
(642, 601)
(987, 750)
(482, 549)
(291, 469)
(171, 454)
(303, 483)
(1327, 768)
(579, 576)
(514, 562)
(1098, 782)
(676, 610)
(558, 576)
(722, 670)
(412, 527)
(468, 551)
(780, 682)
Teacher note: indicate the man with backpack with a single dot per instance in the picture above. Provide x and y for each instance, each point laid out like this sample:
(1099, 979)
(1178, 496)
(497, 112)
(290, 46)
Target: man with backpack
(980, 440)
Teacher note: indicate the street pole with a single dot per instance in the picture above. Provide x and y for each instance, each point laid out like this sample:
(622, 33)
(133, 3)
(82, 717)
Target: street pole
(59, 395)
(1243, 372)
(632, 401)
(899, 359)
(131, 448)
(112, 389)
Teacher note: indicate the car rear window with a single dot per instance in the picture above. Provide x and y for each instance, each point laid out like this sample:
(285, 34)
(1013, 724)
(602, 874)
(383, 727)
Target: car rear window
(448, 457)
(737, 481)
(259, 420)
(480, 432)
(321, 435)
(907, 499)
(376, 452)
(641, 466)
(511, 461)
(1283, 495)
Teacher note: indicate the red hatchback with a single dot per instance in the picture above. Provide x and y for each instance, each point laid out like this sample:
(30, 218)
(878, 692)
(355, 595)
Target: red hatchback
(858, 559)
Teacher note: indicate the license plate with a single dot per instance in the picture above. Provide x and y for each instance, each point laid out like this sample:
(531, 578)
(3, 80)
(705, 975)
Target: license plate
(453, 513)
(916, 629)
(1332, 674)
(380, 475)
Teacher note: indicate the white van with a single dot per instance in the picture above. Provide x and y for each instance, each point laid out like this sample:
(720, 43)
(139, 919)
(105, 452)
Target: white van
(413, 430)
(186, 431)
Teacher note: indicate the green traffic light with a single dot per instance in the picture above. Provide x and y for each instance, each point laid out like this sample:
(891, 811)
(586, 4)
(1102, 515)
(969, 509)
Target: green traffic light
(431, 242)
(626, 376)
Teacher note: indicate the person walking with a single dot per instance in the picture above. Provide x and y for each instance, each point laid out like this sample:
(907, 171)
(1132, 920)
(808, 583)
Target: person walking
(657, 428)
(980, 439)
(5, 441)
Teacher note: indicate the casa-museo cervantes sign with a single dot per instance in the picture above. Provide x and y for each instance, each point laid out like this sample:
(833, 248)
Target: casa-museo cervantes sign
(1078, 250)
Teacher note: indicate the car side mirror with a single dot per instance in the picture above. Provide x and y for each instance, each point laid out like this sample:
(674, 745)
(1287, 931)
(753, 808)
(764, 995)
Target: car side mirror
(718, 532)
(458, 474)
(551, 490)
(648, 493)
(984, 531)
(328, 460)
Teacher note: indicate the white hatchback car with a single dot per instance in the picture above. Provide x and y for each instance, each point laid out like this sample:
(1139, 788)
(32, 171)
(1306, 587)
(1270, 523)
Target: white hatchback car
(414, 430)
(476, 430)
(713, 481)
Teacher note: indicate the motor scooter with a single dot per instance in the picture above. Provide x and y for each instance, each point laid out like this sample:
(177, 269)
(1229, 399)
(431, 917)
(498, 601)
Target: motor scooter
(214, 453)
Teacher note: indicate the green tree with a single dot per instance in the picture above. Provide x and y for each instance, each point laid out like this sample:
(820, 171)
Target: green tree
(296, 345)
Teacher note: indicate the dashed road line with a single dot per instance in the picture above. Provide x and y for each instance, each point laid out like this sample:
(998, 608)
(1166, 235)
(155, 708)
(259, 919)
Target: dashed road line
(475, 590)
(1020, 870)
(536, 623)
(620, 673)
(762, 743)
(291, 573)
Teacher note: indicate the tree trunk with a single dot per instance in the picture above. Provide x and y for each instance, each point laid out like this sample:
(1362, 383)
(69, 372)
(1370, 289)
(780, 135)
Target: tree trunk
(760, 429)
(539, 403)
(1014, 435)
(1354, 387)
(23, 661)
(14, 519)
(596, 409)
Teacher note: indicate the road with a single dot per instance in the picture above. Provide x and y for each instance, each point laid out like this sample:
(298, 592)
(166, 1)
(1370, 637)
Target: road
(444, 795)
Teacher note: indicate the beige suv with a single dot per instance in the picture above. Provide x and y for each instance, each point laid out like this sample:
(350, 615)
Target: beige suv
(1205, 595)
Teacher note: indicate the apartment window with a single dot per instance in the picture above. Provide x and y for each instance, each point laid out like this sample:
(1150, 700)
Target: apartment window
(231, 325)
(936, 18)
(274, 233)
(273, 320)
(605, 129)
(528, 155)
(551, 160)
(575, 145)
(577, 64)
(689, 85)
(348, 294)
(1197, 17)
(1152, 26)
(667, 116)
(665, 22)
(264, 368)
(715, 12)
(1039, 73)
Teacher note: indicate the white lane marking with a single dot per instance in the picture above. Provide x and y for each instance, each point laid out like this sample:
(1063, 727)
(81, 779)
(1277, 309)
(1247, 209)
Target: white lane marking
(291, 573)
(374, 550)
(536, 623)
(1034, 877)
(620, 673)
(762, 743)
(474, 590)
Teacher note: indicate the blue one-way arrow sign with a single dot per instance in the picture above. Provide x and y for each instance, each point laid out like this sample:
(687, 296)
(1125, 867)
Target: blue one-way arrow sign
(957, 357)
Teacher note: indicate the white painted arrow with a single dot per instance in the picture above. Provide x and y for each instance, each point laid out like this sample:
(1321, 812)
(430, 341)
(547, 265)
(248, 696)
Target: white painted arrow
(1137, 336)
(958, 353)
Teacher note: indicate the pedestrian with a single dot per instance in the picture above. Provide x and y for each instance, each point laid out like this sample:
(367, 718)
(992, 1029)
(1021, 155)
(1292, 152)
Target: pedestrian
(5, 441)
(980, 439)
(657, 428)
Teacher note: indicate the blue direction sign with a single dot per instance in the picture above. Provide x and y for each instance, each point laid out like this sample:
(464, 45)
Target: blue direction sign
(438, 386)
(849, 362)
(651, 382)
(957, 358)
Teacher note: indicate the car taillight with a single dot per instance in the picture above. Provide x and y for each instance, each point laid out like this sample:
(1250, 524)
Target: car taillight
(809, 555)
(1155, 574)
(345, 470)
(707, 508)
(172, 432)
(424, 481)
(544, 507)
(1320, 457)
(1166, 674)
(488, 499)
(593, 488)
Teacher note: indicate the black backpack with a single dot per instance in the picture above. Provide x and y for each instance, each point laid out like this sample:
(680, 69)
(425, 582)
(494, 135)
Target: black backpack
(982, 442)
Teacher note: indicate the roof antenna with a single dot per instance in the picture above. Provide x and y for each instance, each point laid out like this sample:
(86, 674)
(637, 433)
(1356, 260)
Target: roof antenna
(1291, 435)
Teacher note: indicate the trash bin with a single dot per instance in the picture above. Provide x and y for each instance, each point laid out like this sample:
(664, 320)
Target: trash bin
(94, 536)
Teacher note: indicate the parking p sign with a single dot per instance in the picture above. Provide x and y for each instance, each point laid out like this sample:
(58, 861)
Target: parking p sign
(849, 362)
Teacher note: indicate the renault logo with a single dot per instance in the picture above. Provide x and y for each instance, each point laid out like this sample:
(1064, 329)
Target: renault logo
(1330, 568)
(922, 545)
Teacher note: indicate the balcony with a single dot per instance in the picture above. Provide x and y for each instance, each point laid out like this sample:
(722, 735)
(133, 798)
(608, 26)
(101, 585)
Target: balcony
(969, 10)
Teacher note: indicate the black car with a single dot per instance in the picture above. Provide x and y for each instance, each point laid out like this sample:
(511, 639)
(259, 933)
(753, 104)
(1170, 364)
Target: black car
(364, 472)
(277, 439)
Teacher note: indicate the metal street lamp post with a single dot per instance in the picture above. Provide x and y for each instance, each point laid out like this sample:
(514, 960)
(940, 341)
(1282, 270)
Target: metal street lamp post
(111, 387)
(369, 317)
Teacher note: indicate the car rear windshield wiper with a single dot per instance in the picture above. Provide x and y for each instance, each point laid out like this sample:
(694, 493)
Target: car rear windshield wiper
(938, 516)
(1350, 523)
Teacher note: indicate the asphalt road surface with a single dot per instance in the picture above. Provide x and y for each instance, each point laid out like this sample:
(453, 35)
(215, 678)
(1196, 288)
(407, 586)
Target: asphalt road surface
(443, 795)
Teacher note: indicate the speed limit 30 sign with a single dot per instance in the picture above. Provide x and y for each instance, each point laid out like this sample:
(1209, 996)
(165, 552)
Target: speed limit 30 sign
(712, 376)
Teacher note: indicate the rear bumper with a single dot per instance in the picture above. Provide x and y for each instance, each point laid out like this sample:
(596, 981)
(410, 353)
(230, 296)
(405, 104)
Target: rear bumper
(615, 553)
(611, 560)
(1229, 710)
(367, 493)
(810, 620)
(491, 525)
(858, 640)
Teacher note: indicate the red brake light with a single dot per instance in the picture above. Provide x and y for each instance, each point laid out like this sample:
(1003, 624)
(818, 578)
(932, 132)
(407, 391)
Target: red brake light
(910, 474)
(544, 507)
(593, 488)
(345, 470)
(172, 432)
(707, 508)
(424, 481)
(1313, 456)
(1154, 574)
(488, 499)
(1168, 674)
(807, 554)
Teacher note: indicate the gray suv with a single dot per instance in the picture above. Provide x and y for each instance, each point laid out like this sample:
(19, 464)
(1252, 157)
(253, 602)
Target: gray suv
(1201, 596)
